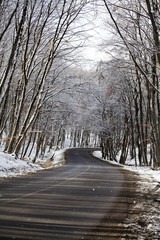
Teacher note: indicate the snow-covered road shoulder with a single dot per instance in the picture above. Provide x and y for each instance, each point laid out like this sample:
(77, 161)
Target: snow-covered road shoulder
(149, 175)
(11, 166)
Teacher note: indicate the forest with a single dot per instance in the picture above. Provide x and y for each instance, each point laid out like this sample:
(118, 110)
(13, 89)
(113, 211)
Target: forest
(47, 95)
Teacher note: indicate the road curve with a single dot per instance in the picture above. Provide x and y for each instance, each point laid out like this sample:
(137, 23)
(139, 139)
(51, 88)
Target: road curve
(86, 199)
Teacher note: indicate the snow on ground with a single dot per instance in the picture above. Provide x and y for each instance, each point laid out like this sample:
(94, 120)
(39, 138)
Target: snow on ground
(11, 166)
(149, 186)
(149, 175)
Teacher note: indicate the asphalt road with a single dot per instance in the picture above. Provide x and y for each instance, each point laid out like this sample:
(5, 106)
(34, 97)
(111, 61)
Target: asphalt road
(86, 199)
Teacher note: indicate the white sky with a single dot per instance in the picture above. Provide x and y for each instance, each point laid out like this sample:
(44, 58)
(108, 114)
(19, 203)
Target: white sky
(97, 34)
(90, 32)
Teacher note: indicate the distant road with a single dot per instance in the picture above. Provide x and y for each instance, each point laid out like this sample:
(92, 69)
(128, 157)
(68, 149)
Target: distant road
(86, 199)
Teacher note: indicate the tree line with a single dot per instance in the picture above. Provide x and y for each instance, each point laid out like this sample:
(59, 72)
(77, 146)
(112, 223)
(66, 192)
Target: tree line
(45, 99)
(35, 40)
(137, 27)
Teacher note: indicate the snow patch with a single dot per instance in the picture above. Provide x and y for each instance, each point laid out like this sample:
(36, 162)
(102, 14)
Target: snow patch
(10, 166)
(148, 186)
(148, 174)
(59, 157)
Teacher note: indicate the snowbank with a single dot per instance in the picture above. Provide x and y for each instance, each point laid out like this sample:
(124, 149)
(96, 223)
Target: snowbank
(11, 166)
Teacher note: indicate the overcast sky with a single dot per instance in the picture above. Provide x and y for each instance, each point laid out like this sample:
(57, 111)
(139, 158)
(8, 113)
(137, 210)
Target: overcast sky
(97, 31)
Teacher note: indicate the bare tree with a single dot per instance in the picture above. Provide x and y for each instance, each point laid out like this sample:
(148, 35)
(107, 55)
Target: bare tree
(137, 26)
(41, 33)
